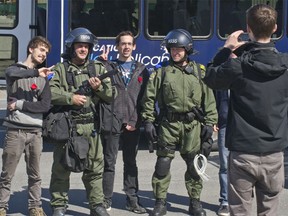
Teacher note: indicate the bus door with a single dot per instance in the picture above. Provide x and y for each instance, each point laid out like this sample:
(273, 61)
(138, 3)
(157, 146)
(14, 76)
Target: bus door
(18, 24)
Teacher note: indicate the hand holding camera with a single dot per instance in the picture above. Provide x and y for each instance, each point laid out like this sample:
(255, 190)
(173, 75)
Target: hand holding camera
(235, 40)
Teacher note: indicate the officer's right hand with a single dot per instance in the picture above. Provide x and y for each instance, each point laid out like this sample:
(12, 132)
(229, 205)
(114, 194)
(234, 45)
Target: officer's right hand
(150, 131)
(78, 100)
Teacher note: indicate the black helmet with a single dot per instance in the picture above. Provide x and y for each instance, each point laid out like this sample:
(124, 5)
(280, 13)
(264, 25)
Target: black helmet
(80, 35)
(179, 38)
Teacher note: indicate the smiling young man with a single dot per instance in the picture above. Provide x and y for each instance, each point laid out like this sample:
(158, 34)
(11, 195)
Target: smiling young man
(177, 88)
(28, 96)
(130, 83)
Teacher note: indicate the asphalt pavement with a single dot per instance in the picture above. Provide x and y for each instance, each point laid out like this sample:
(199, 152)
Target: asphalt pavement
(178, 200)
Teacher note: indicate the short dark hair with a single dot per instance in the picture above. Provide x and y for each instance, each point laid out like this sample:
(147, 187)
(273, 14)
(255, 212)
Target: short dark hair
(261, 19)
(36, 41)
(124, 33)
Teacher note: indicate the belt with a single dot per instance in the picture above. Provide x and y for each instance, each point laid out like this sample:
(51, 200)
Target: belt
(84, 121)
(174, 116)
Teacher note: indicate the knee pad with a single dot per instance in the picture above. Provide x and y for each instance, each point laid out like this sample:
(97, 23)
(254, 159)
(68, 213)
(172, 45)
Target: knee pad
(191, 169)
(162, 166)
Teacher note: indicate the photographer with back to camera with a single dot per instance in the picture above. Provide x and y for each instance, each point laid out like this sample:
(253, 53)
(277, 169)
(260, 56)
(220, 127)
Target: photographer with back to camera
(68, 78)
(256, 132)
(186, 105)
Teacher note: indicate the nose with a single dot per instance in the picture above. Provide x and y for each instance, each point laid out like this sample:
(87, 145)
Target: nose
(44, 54)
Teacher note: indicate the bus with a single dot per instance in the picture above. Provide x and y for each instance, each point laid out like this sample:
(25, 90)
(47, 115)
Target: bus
(208, 21)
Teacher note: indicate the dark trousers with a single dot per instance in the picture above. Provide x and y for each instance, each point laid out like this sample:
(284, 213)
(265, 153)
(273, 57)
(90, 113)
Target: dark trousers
(128, 141)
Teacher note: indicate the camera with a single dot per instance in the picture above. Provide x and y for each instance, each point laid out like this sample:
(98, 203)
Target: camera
(243, 37)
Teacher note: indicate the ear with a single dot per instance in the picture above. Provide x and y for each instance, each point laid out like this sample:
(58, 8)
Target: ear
(31, 50)
(134, 47)
(274, 29)
(248, 29)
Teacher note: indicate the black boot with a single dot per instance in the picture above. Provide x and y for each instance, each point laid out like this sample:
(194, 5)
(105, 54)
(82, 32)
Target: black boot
(99, 210)
(160, 208)
(134, 205)
(195, 208)
(60, 211)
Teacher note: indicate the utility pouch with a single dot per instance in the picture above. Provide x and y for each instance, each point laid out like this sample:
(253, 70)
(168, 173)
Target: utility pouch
(56, 127)
(75, 156)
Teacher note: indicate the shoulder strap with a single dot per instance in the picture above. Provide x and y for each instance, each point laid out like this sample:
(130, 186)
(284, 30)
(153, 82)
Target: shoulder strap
(70, 78)
(91, 69)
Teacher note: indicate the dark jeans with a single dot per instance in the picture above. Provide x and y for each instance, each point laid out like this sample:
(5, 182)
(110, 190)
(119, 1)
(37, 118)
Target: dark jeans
(129, 144)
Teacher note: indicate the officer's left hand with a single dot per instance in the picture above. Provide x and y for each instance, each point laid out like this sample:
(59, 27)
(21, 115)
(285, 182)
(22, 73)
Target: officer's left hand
(94, 82)
(206, 147)
(206, 132)
(150, 131)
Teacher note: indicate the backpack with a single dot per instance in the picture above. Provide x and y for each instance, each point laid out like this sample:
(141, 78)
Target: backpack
(109, 122)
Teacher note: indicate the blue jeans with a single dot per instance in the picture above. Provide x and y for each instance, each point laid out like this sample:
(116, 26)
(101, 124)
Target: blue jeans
(223, 156)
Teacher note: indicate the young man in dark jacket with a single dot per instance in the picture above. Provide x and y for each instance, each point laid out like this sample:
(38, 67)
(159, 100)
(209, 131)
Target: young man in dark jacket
(28, 97)
(130, 83)
(257, 118)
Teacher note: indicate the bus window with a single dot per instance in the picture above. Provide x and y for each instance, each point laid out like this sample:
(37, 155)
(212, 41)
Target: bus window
(232, 15)
(41, 17)
(192, 15)
(8, 18)
(105, 18)
(8, 47)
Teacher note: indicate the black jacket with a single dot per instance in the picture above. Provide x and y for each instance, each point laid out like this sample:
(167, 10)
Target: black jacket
(258, 83)
(127, 104)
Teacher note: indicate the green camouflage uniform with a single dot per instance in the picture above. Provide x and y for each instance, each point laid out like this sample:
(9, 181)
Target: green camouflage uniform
(62, 95)
(178, 92)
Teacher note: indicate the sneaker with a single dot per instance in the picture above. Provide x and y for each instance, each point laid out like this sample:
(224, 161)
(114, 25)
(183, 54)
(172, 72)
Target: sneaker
(2, 212)
(107, 203)
(36, 212)
(223, 210)
(135, 206)
(160, 208)
(99, 210)
(60, 211)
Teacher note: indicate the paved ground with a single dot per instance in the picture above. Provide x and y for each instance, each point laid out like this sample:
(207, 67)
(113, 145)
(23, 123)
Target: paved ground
(177, 197)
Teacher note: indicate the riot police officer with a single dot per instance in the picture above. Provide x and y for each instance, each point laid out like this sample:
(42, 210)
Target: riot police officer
(177, 87)
(68, 77)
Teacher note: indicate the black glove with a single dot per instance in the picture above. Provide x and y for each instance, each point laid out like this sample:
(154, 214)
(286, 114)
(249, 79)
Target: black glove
(150, 131)
(206, 132)
(206, 147)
